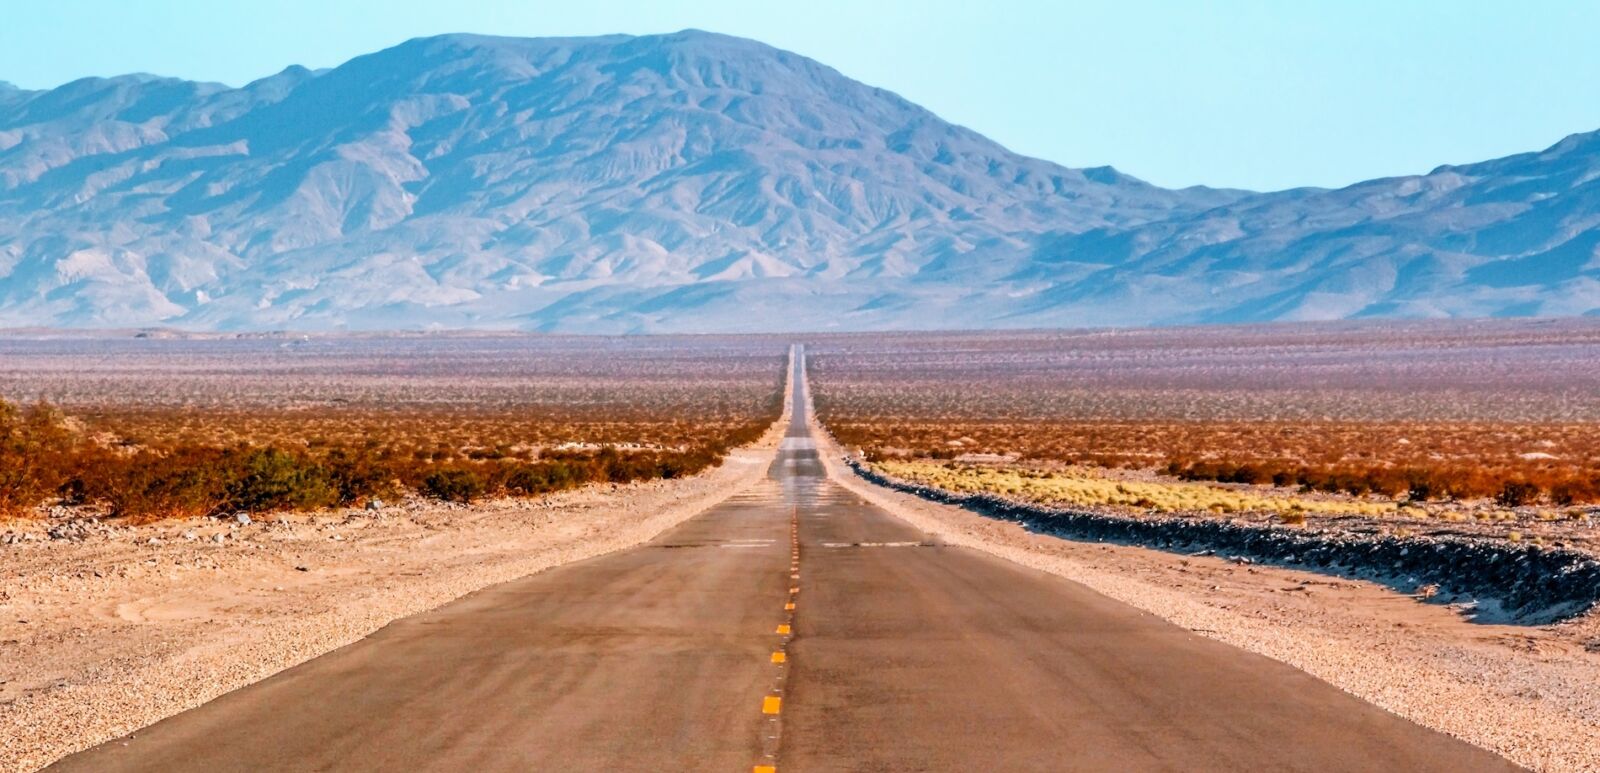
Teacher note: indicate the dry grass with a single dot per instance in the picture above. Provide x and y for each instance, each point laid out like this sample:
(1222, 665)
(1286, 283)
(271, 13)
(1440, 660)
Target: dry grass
(1088, 487)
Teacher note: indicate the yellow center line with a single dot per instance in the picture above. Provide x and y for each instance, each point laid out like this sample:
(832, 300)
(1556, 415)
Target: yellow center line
(764, 769)
(771, 704)
(789, 606)
(779, 656)
(783, 628)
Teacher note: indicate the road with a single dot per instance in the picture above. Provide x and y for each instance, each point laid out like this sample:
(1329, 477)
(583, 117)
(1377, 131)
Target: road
(796, 628)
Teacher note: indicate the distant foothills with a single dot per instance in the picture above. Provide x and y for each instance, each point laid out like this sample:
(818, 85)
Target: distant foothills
(695, 182)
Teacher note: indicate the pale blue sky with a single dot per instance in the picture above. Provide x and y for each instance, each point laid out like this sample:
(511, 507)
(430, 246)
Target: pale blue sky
(1251, 94)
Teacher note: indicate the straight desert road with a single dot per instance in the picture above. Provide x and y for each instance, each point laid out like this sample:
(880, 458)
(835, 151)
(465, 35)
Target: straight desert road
(900, 654)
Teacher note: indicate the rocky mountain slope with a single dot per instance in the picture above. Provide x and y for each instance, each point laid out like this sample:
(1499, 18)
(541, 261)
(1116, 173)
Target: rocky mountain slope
(698, 182)
(1517, 236)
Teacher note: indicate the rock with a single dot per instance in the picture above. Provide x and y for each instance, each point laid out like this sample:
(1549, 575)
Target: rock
(219, 538)
(190, 536)
(243, 519)
(374, 504)
(74, 531)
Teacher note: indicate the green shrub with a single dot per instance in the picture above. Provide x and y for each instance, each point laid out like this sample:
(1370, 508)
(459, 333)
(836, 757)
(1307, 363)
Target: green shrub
(359, 476)
(454, 484)
(270, 479)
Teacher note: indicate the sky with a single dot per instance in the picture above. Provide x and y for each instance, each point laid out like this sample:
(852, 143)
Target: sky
(1261, 95)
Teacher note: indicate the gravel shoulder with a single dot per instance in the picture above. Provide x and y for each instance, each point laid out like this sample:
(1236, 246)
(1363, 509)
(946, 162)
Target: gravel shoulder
(103, 636)
(1524, 692)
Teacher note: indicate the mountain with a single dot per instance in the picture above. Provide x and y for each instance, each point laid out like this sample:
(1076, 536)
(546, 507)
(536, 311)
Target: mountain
(1518, 236)
(699, 182)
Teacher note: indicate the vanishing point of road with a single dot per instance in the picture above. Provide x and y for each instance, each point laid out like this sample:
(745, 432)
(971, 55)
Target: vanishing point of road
(792, 628)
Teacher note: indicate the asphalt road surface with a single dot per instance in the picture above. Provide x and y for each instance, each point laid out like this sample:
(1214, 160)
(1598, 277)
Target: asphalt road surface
(795, 627)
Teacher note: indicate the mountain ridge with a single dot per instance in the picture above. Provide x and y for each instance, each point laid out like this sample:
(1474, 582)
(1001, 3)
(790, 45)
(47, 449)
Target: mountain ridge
(697, 182)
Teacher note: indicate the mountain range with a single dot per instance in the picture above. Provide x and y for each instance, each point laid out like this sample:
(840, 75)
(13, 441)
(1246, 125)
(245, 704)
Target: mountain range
(696, 182)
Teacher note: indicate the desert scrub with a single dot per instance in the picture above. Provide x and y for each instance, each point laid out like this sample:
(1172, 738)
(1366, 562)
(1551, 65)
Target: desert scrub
(454, 485)
(1085, 487)
(200, 427)
(42, 459)
(1426, 412)
(36, 455)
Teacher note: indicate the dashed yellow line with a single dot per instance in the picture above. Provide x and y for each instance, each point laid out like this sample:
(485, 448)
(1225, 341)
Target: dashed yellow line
(771, 705)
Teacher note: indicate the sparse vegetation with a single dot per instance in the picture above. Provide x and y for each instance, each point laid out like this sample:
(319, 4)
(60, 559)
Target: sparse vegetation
(1502, 413)
(273, 428)
(1085, 486)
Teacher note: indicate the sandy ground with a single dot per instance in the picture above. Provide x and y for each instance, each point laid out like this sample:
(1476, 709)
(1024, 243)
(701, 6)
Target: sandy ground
(1528, 693)
(103, 636)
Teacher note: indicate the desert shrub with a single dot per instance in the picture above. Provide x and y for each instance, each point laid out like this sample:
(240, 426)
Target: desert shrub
(359, 475)
(1420, 486)
(454, 484)
(1516, 493)
(526, 480)
(150, 485)
(1575, 490)
(35, 455)
(262, 479)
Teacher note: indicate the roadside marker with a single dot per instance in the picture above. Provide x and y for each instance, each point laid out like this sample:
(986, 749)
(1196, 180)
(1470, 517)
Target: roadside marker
(783, 629)
(779, 657)
(764, 769)
(771, 704)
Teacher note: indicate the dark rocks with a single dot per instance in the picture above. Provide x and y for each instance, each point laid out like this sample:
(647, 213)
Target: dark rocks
(1529, 583)
(16, 537)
